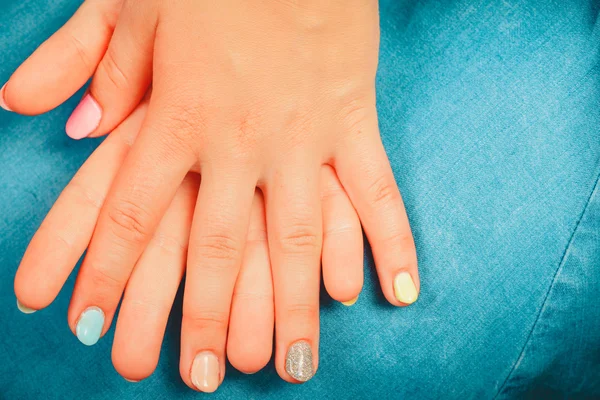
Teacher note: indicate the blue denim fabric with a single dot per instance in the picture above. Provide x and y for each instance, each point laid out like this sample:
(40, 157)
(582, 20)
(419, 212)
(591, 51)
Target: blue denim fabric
(490, 113)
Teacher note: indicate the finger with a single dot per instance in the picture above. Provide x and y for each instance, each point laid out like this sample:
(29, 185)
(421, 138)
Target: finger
(152, 287)
(342, 256)
(63, 63)
(216, 247)
(122, 77)
(364, 170)
(66, 231)
(138, 198)
(250, 339)
(294, 228)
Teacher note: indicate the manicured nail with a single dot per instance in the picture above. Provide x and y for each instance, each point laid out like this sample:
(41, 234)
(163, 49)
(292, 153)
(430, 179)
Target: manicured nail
(24, 309)
(205, 373)
(350, 302)
(129, 380)
(85, 118)
(404, 288)
(89, 326)
(2, 101)
(299, 361)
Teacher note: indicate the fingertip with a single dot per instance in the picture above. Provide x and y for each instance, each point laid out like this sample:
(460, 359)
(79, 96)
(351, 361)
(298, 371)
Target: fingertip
(29, 295)
(350, 302)
(24, 309)
(132, 369)
(85, 118)
(405, 289)
(248, 359)
(3, 98)
(343, 285)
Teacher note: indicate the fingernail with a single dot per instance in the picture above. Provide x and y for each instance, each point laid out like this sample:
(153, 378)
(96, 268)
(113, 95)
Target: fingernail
(24, 309)
(89, 326)
(85, 118)
(129, 380)
(404, 288)
(299, 361)
(2, 101)
(350, 302)
(205, 372)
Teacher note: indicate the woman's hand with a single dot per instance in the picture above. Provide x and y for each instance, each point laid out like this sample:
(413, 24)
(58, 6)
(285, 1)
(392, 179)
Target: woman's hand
(256, 95)
(147, 300)
(151, 288)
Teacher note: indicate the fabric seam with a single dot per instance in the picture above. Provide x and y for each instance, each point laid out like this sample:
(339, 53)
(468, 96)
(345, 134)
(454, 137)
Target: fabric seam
(556, 274)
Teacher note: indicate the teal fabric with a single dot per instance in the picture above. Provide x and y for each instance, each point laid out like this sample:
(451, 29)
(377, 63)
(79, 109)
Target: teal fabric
(490, 113)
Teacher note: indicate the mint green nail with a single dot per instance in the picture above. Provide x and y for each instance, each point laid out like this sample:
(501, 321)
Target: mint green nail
(89, 326)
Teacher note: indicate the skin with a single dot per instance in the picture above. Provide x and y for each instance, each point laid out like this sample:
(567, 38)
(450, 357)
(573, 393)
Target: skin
(265, 95)
(151, 288)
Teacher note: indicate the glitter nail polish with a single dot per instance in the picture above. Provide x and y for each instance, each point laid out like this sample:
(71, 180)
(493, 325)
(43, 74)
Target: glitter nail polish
(299, 361)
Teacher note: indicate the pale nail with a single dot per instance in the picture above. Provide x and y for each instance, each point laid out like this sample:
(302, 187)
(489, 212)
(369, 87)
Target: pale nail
(350, 302)
(85, 118)
(404, 288)
(2, 101)
(205, 374)
(89, 326)
(24, 309)
(299, 361)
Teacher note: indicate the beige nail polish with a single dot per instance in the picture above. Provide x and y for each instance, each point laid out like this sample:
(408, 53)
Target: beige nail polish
(404, 288)
(350, 302)
(299, 361)
(24, 309)
(205, 374)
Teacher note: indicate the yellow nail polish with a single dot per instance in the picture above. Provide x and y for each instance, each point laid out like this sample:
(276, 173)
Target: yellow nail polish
(404, 288)
(350, 302)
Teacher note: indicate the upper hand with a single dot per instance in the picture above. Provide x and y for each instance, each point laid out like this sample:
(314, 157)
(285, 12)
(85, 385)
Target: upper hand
(255, 95)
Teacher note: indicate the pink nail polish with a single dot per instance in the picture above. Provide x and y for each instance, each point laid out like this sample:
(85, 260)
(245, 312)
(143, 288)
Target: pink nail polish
(2, 101)
(85, 119)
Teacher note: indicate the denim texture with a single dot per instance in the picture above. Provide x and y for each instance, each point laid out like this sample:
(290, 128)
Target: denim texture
(490, 113)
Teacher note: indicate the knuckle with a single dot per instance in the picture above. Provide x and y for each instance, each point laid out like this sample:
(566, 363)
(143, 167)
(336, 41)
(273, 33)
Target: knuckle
(182, 125)
(355, 115)
(247, 136)
(206, 320)
(185, 118)
(110, 68)
(219, 247)
(83, 194)
(300, 238)
(169, 244)
(148, 306)
(257, 236)
(303, 311)
(108, 11)
(101, 278)
(400, 240)
(341, 229)
(248, 296)
(383, 192)
(129, 221)
(79, 48)
(331, 192)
